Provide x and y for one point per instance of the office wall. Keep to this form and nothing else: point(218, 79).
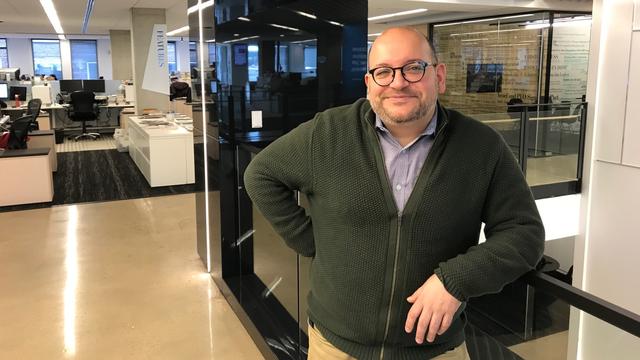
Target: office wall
point(21, 55)
point(607, 247)
point(142, 23)
point(121, 52)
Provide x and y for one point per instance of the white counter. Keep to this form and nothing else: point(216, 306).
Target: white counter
point(164, 154)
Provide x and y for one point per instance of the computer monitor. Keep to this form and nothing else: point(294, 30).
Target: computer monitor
point(97, 86)
point(69, 86)
point(21, 91)
point(4, 91)
point(214, 86)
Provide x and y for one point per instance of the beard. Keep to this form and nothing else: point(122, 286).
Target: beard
point(418, 112)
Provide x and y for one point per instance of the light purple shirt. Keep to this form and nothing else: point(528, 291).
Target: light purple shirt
point(403, 164)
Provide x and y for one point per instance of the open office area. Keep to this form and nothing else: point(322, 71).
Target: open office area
point(128, 129)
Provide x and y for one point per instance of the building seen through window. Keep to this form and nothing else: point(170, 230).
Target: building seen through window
point(46, 57)
point(310, 61)
point(193, 54)
point(172, 61)
point(4, 55)
point(84, 59)
point(254, 65)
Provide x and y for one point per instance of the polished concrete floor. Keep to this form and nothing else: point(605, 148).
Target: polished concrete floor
point(113, 280)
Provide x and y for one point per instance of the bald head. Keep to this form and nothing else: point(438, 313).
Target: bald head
point(395, 38)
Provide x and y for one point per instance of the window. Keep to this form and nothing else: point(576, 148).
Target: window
point(193, 54)
point(254, 66)
point(310, 61)
point(4, 54)
point(212, 52)
point(172, 58)
point(84, 59)
point(46, 57)
point(283, 66)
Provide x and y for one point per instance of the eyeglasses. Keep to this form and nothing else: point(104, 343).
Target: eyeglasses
point(412, 72)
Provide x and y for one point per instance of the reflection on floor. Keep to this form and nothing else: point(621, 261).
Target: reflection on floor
point(105, 142)
point(114, 280)
point(551, 169)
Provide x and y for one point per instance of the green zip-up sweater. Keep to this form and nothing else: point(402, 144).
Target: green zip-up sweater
point(367, 257)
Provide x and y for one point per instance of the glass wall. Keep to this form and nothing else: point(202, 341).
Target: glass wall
point(534, 58)
point(46, 57)
point(84, 59)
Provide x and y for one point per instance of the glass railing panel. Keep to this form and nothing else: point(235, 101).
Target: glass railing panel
point(506, 124)
point(519, 322)
point(554, 133)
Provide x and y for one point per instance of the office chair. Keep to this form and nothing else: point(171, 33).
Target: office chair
point(18, 133)
point(33, 109)
point(83, 109)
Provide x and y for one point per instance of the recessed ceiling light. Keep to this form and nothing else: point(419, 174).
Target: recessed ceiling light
point(178, 31)
point(284, 27)
point(306, 14)
point(236, 34)
point(243, 18)
point(401, 13)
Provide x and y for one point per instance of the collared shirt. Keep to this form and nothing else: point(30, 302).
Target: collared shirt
point(403, 164)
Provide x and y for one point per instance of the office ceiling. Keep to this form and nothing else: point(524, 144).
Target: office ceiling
point(28, 17)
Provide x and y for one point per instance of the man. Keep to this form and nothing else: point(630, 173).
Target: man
point(179, 89)
point(398, 187)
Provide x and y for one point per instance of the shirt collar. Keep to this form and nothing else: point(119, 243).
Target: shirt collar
point(429, 131)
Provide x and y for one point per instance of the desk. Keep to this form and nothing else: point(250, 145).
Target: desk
point(164, 154)
point(26, 177)
point(44, 139)
point(60, 121)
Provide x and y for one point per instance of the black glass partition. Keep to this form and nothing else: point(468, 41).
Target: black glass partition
point(272, 66)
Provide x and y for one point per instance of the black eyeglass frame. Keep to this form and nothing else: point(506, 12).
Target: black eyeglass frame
point(424, 64)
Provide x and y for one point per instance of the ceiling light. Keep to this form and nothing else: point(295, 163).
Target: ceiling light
point(284, 27)
point(302, 41)
point(200, 6)
point(87, 16)
point(306, 14)
point(481, 20)
point(241, 39)
point(52, 14)
point(375, 34)
point(335, 23)
point(178, 31)
point(243, 18)
point(401, 13)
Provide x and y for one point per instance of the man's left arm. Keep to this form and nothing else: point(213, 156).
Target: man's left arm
point(514, 245)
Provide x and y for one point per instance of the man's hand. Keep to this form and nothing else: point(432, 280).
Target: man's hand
point(434, 307)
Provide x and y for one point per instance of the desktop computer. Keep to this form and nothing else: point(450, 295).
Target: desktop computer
point(4, 91)
point(41, 92)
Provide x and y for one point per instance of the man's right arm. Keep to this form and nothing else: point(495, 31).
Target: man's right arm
point(271, 179)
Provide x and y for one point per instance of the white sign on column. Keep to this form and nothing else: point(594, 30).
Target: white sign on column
point(156, 72)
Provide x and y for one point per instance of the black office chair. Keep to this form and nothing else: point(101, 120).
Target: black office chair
point(18, 133)
point(83, 108)
point(33, 109)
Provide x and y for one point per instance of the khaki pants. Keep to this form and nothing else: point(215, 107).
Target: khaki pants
point(321, 349)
